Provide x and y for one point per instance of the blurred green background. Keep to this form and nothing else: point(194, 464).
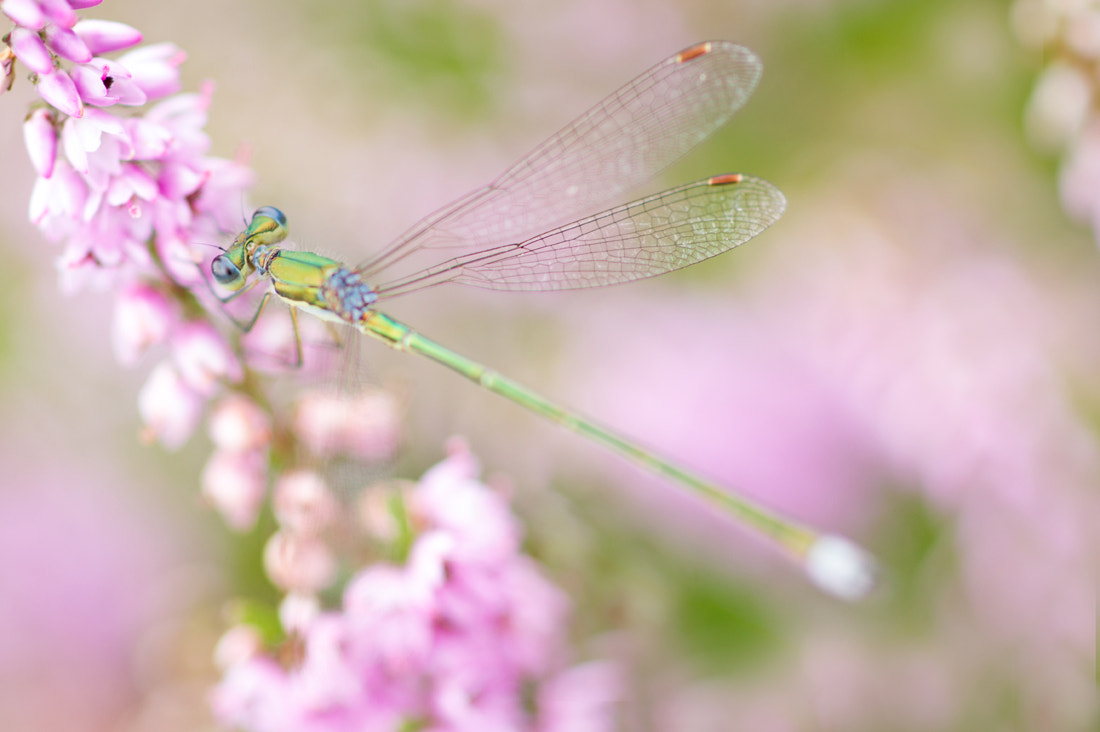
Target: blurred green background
point(908, 357)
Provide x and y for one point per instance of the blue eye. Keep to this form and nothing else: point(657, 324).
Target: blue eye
point(272, 213)
point(224, 271)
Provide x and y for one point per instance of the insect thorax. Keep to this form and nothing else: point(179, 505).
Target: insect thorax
point(347, 294)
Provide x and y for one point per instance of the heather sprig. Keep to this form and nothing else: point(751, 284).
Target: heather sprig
point(454, 636)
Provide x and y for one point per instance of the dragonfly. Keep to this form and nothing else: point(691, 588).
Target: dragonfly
point(532, 229)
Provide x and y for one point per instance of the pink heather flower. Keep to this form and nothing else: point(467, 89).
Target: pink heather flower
point(142, 318)
point(581, 699)
point(450, 640)
point(238, 424)
point(58, 12)
point(105, 36)
point(220, 197)
point(30, 49)
point(203, 357)
point(119, 84)
point(298, 563)
point(95, 145)
point(298, 611)
point(237, 645)
point(67, 44)
point(374, 510)
point(319, 421)
point(169, 407)
point(303, 503)
point(255, 695)
point(103, 84)
point(26, 13)
point(363, 426)
point(130, 183)
point(81, 4)
point(373, 425)
point(59, 90)
point(149, 139)
point(178, 180)
point(143, 175)
point(56, 202)
point(185, 116)
point(449, 498)
point(155, 69)
point(234, 484)
point(40, 137)
point(393, 618)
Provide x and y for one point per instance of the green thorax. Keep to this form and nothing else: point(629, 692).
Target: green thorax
point(299, 277)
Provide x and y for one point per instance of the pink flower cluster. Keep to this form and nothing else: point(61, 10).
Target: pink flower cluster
point(128, 194)
point(450, 640)
point(454, 638)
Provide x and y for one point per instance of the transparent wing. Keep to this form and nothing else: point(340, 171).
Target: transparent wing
point(615, 146)
point(648, 237)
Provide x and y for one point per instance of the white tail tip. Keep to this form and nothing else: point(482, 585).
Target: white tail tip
point(841, 568)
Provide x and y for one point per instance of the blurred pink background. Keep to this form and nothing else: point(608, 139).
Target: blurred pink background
point(909, 356)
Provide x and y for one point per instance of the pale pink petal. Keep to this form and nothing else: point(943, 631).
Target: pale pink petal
point(40, 137)
point(479, 518)
point(237, 423)
point(254, 695)
point(222, 195)
point(81, 4)
point(59, 12)
point(536, 612)
point(105, 36)
point(119, 83)
point(26, 13)
point(155, 68)
point(133, 181)
point(142, 318)
point(581, 699)
point(169, 408)
point(317, 422)
point(176, 254)
point(67, 44)
point(390, 620)
point(185, 115)
point(371, 425)
point(62, 195)
point(128, 92)
point(237, 645)
point(58, 90)
point(203, 357)
point(90, 86)
point(328, 681)
point(178, 180)
point(150, 139)
point(298, 563)
point(29, 48)
point(303, 504)
point(76, 148)
point(234, 484)
point(298, 611)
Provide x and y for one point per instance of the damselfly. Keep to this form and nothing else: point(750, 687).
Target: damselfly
point(523, 232)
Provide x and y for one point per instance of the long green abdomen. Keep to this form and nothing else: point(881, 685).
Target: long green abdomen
point(795, 538)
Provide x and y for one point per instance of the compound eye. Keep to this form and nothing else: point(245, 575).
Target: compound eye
point(271, 212)
point(224, 271)
point(268, 226)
